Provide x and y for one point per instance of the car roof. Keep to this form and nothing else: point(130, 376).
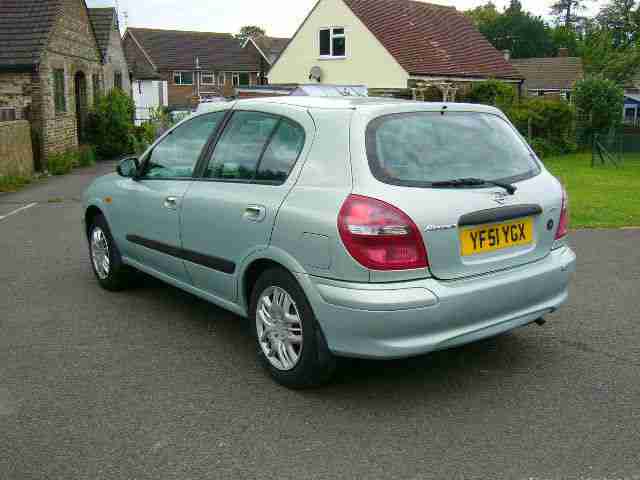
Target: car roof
point(356, 103)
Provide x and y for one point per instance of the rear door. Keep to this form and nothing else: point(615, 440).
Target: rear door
point(467, 230)
point(229, 211)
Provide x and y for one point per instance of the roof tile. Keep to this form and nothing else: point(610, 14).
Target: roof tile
point(432, 40)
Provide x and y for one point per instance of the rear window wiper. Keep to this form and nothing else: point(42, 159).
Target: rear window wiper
point(474, 182)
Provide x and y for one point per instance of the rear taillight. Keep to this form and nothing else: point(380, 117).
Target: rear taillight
point(563, 224)
point(380, 236)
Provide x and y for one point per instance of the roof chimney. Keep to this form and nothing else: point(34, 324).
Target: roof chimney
point(507, 54)
point(563, 52)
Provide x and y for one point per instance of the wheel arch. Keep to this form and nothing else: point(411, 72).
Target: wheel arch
point(89, 216)
point(260, 262)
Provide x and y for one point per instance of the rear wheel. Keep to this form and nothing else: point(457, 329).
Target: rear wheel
point(107, 264)
point(291, 345)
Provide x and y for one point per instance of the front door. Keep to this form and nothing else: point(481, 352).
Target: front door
point(229, 213)
point(154, 200)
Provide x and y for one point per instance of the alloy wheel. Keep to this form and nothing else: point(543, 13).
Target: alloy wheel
point(279, 328)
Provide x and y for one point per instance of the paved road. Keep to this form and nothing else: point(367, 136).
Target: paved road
point(154, 383)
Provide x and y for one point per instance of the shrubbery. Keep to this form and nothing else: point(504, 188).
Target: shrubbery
point(87, 156)
point(599, 102)
point(111, 124)
point(548, 124)
point(61, 163)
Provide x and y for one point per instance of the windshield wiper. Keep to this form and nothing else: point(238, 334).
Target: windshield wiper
point(474, 182)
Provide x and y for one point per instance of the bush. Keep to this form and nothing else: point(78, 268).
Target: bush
point(494, 93)
point(112, 123)
point(61, 163)
point(599, 102)
point(87, 156)
point(552, 125)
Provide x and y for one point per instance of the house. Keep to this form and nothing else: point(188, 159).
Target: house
point(115, 71)
point(388, 45)
point(631, 114)
point(270, 48)
point(51, 69)
point(179, 68)
point(554, 76)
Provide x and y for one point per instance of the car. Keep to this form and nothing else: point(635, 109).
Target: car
point(358, 227)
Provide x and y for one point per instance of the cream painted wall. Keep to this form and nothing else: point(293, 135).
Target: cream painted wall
point(367, 63)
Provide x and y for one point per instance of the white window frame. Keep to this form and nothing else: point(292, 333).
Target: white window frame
point(179, 73)
point(222, 79)
point(204, 75)
point(332, 36)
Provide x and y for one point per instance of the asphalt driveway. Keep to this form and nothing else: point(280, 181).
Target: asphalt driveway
point(154, 383)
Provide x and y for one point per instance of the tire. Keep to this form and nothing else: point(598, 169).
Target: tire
point(315, 364)
point(115, 275)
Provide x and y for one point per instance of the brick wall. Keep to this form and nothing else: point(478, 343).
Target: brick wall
point(16, 155)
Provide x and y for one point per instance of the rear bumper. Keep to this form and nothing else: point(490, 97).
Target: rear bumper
point(396, 320)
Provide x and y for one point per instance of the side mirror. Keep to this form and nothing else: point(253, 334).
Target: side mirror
point(128, 167)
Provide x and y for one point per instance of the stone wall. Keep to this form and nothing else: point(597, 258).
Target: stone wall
point(15, 91)
point(72, 47)
point(116, 62)
point(16, 155)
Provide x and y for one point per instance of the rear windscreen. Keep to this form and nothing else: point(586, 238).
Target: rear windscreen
point(416, 149)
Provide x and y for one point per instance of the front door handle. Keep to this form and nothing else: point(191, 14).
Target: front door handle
point(171, 203)
point(255, 213)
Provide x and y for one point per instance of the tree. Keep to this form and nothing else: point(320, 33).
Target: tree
point(622, 18)
point(600, 102)
point(564, 37)
point(520, 32)
point(483, 15)
point(566, 11)
point(601, 57)
point(251, 31)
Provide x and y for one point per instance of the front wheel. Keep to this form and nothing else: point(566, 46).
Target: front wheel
point(107, 264)
point(291, 345)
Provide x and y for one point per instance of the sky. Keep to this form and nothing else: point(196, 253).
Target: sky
point(280, 18)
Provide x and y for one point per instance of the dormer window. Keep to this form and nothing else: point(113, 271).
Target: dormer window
point(333, 42)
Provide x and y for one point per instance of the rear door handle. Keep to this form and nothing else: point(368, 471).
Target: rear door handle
point(255, 213)
point(171, 203)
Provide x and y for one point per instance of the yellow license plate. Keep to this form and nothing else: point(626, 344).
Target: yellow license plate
point(488, 238)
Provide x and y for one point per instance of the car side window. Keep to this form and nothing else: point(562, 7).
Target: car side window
point(282, 153)
point(177, 154)
point(241, 146)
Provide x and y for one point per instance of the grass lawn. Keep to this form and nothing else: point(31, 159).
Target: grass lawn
point(604, 196)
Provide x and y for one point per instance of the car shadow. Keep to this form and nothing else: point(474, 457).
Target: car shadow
point(487, 362)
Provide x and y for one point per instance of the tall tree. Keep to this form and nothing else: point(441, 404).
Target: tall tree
point(250, 31)
point(484, 14)
point(603, 58)
point(514, 29)
point(566, 11)
point(622, 19)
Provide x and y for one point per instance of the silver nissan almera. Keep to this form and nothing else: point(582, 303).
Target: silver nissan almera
point(356, 227)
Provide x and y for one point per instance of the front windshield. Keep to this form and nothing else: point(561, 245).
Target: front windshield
point(417, 149)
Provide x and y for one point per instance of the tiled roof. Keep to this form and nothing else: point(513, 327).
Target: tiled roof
point(103, 21)
point(553, 73)
point(432, 40)
point(272, 47)
point(176, 49)
point(24, 29)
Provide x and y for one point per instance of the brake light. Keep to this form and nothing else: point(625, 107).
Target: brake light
point(380, 236)
point(563, 224)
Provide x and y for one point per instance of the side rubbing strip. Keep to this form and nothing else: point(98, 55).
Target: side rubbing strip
point(499, 214)
point(214, 263)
